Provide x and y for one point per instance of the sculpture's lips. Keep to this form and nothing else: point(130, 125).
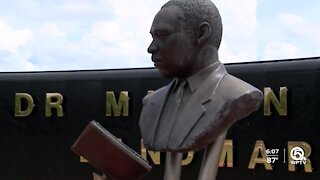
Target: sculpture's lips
point(157, 63)
point(155, 59)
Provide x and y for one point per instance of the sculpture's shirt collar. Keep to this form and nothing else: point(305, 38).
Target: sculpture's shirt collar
point(196, 80)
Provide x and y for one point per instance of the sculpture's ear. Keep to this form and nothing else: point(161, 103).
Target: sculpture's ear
point(203, 32)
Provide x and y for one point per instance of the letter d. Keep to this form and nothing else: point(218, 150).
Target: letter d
point(19, 112)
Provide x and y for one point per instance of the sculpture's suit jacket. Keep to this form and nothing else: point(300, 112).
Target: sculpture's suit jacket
point(220, 101)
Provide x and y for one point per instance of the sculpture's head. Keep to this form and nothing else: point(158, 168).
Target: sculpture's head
point(186, 35)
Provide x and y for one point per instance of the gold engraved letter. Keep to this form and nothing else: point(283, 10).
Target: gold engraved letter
point(281, 106)
point(50, 104)
point(123, 104)
point(300, 150)
point(18, 109)
point(227, 153)
point(83, 160)
point(259, 148)
point(155, 155)
point(188, 159)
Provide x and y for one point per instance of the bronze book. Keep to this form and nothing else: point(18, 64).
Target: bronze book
point(106, 153)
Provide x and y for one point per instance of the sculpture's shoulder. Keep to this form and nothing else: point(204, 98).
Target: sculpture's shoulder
point(234, 89)
point(232, 100)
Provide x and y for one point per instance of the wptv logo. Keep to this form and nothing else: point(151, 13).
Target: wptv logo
point(298, 156)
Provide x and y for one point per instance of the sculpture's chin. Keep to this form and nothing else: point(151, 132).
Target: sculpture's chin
point(165, 73)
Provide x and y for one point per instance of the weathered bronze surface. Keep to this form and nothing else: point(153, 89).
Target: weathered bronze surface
point(196, 109)
point(186, 38)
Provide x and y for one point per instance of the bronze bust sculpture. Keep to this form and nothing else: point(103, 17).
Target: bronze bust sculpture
point(195, 110)
point(203, 100)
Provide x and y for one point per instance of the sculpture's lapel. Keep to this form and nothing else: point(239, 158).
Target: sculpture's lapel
point(195, 107)
point(157, 103)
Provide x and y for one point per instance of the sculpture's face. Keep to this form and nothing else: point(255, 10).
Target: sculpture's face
point(172, 47)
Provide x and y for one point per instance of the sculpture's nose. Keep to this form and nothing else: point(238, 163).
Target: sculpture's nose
point(152, 48)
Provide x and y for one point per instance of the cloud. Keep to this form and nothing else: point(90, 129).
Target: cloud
point(102, 34)
point(119, 41)
point(52, 29)
point(128, 32)
point(14, 46)
point(239, 30)
point(111, 33)
point(298, 26)
point(79, 7)
point(297, 38)
point(12, 39)
point(281, 50)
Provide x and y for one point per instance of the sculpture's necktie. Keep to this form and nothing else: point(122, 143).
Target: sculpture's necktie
point(179, 94)
point(170, 113)
point(177, 99)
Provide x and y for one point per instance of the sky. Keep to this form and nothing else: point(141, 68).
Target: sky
point(46, 35)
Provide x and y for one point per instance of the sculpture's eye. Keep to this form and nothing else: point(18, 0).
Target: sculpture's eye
point(161, 33)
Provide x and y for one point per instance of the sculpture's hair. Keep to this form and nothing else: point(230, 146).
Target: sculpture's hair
point(198, 11)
